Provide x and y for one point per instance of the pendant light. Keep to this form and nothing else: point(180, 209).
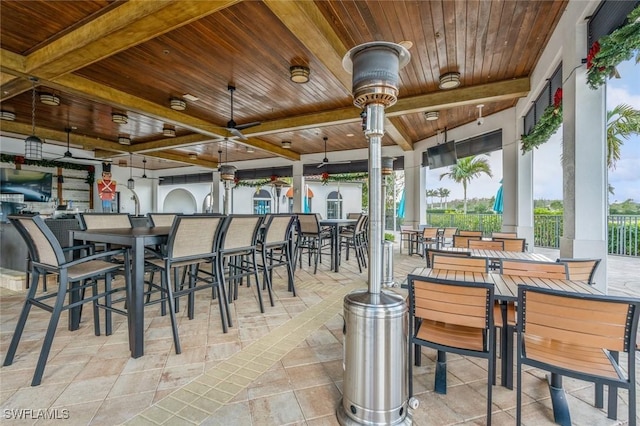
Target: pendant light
point(33, 144)
point(131, 184)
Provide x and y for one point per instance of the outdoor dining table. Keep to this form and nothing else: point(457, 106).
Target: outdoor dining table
point(336, 225)
point(506, 290)
point(500, 254)
point(136, 239)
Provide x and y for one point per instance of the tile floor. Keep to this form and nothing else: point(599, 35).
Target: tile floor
point(283, 367)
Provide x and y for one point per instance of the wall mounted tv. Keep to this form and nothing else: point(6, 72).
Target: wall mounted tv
point(442, 155)
point(35, 186)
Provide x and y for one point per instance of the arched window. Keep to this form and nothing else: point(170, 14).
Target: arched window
point(334, 205)
point(262, 202)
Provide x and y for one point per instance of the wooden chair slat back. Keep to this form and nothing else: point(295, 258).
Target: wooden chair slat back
point(462, 241)
point(431, 252)
point(464, 305)
point(581, 269)
point(430, 233)
point(460, 263)
point(509, 235)
point(589, 322)
point(485, 245)
point(448, 233)
point(464, 233)
point(528, 268)
point(512, 244)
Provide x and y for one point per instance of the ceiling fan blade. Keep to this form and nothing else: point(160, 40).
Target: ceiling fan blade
point(237, 133)
point(247, 125)
point(321, 165)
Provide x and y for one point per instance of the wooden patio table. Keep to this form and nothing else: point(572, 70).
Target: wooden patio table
point(500, 254)
point(506, 290)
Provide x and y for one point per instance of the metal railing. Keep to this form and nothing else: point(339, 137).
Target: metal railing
point(623, 230)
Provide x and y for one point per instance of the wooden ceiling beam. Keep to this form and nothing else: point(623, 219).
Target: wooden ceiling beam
point(181, 158)
point(398, 134)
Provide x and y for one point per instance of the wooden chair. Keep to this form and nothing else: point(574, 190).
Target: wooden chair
point(407, 233)
point(509, 235)
point(485, 245)
point(462, 241)
point(447, 234)
point(431, 252)
point(427, 238)
point(532, 268)
point(460, 263)
point(453, 317)
point(581, 269)
point(512, 244)
point(74, 277)
point(580, 336)
point(464, 233)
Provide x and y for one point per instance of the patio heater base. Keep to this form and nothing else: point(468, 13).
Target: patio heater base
point(345, 420)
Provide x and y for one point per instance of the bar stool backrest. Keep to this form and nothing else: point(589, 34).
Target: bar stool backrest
point(162, 219)
point(278, 229)
point(309, 223)
point(240, 232)
point(90, 221)
point(42, 244)
point(193, 236)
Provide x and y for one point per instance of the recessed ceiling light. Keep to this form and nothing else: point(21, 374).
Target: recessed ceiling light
point(49, 99)
point(449, 80)
point(169, 131)
point(124, 140)
point(286, 144)
point(119, 118)
point(251, 149)
point(193, 156)
point(177, 104)
point(432, 115)
point(350, 135)
point(190, 97)
point(7, 115)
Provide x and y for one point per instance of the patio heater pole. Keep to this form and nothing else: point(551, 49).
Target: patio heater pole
point(375, 320)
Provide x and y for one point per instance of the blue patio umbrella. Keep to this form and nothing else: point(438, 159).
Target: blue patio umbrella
point(401, 206)
point(497, 205)
point(305, 201)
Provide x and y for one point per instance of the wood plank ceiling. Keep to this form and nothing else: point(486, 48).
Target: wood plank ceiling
point(104, 57)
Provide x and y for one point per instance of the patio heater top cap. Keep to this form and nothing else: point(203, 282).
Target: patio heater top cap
point(375, 67)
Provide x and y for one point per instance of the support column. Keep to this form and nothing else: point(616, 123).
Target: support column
point(216, 194)
point(584, 159)
point(414, 186)
point(298, 188)
point(517, 183)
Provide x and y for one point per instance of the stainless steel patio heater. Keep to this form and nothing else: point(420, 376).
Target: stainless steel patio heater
point(375, 320)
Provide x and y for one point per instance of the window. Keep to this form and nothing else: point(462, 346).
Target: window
point(262, 202)
point(334, 205)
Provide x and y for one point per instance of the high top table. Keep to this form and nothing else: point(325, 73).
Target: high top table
point(336, 225)
point(136, 239)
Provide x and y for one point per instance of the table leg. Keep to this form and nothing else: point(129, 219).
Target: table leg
point(335, 250)
point(506, 350)
point(136, 301)
point(74, 296)
point(561, 413)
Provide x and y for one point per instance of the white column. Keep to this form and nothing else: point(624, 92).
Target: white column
point(414, 186)
point(298, 187)
point(584, 158)
point(517, 182)
point(216, 194)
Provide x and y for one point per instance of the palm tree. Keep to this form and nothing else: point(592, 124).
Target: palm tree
point(443, 193)
point(431, 193)
point(622, 121)
point(465, 170)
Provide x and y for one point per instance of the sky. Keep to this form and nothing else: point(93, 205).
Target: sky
point(547, 167)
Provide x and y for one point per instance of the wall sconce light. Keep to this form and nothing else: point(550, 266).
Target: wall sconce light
point(432, 115)
point(286, 144)
point(124, 140)
point(49, 99)
point(119, 118)
point(299, 74)
point(169, 131)
point(7, 116)
point(449, 80)
point(177, 104)
point(250, 150)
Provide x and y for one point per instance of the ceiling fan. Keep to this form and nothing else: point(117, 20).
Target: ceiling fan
point(68, 155)
point(144, 171)
point(325, 160)
point(232, 126)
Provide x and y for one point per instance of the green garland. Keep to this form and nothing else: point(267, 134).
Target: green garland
point(17, 159)
point(611, 49)
point(253, 183)
point(548, 124)
point(343, 177)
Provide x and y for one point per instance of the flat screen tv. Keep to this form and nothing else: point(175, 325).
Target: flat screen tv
point(442, 155)
point(35, 186)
